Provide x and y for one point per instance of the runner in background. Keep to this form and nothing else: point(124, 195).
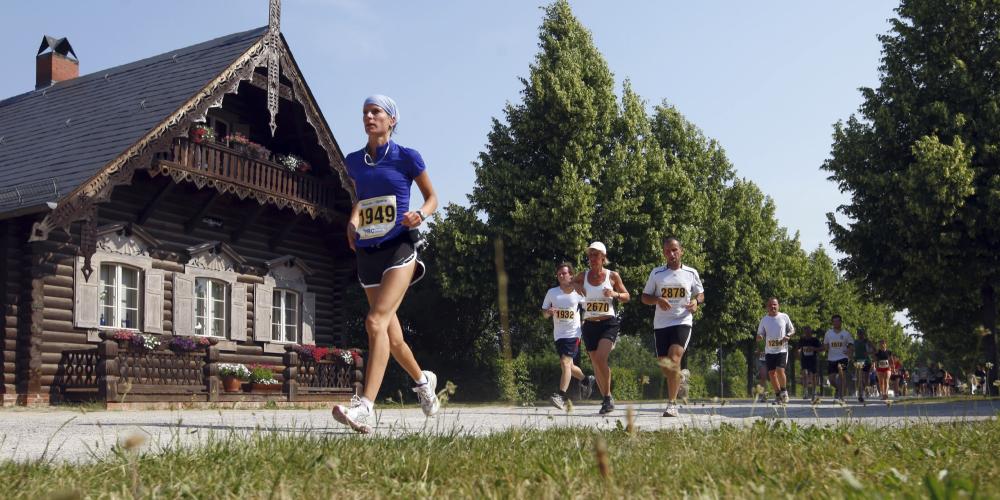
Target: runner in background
point(600, 287)
point(776, 329)
point(676, 292)
point(562, 304)
point(837, 343)
point(862, 354)
point(809, 347)
point(883, 368)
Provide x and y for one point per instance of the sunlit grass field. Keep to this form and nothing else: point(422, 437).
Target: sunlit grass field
point(762, 460)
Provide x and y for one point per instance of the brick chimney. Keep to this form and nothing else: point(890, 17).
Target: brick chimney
point(56, 65)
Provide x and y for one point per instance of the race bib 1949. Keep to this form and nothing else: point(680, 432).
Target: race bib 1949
point(378, 216)
point(565, 315)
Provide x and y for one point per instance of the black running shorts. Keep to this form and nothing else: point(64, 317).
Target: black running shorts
point(594, 331)
point(776, 360)
point(831, 366)
point(374, 261)
point(663, 338)
point(809, 363)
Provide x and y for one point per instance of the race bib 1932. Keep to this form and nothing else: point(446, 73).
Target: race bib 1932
point(378, 216)
point(565, 315)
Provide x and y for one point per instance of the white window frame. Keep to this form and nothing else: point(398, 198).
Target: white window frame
point(210, 316)
point(119, 308)
point(282, 322)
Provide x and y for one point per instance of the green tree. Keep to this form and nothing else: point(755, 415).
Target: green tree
point(920, 163)
point(536, 181)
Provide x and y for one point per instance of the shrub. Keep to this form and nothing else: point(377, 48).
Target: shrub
point(514, 380)
point(625, 384)
point(262, 374)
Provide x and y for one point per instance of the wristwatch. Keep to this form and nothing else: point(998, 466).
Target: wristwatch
point(421, 214)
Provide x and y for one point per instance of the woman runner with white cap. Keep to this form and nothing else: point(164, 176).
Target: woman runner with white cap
point(600, 287)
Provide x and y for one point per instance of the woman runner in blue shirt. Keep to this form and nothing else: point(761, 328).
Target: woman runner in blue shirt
point(379, 232)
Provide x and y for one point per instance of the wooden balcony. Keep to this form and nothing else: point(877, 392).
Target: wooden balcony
point(230, 170)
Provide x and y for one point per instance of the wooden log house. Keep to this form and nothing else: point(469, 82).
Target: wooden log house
point(120, 212)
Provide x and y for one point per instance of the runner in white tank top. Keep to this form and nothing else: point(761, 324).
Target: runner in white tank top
point(600, 287)
point(595, 304)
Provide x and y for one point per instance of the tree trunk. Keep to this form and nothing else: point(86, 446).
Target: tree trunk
point(988, 294)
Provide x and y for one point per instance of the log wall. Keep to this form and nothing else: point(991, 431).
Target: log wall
point(11, 275)
point(319, 244)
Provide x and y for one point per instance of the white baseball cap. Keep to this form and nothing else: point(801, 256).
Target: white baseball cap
point(597, 245)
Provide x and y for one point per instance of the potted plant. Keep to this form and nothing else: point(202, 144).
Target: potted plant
point(201, 132)
point(262, 379)
point(233, 375)
point(241, 143)
point(293, 163)
point(187, 344)
point(135, 340)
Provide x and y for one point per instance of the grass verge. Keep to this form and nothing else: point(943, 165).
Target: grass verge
point(764, 459)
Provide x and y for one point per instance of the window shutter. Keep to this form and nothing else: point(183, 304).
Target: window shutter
point(86, 296)
point(238, 312)
point(183, 305)
point(152, 302)
point(262, 300)
point(309, 318)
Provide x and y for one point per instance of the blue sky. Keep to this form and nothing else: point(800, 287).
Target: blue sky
point(766, 79)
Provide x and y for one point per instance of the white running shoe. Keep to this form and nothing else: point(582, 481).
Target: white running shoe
point(558, 401)
point(355, 415)
point(671, 410)
point(427, 395)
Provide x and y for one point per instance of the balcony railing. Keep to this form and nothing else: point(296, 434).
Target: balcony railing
point(253, 175)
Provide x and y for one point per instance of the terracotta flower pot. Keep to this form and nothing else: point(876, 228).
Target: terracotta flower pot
point(231, 384)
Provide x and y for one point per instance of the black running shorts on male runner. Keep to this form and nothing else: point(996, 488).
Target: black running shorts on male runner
point(374, 261)
point(663, 338)
point(594, 331)
point(831, 366)
point(809, 363)
point(776, 360)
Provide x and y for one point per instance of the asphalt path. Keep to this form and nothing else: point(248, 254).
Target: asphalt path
point(66, 435)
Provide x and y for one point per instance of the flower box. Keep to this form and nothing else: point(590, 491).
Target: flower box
point(265, 388)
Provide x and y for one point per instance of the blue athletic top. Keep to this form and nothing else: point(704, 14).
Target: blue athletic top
point(383, 190)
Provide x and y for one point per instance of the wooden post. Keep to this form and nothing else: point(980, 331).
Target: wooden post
point(291, 360)
point(107, 371)
point(212, 381)
point(359, 376)
point(790, 376)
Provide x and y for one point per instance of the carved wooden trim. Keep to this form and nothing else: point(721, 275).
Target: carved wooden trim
point(140, 155)
point(270, 51)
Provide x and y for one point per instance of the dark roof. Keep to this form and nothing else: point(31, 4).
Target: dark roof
point(54, 139)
